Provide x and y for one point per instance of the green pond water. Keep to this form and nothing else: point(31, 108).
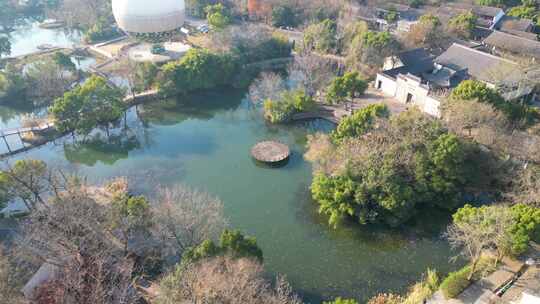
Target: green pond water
point(204, 142)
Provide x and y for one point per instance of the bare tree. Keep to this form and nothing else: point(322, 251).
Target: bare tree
point(526, 188)
point(224, 280)
point(502, 221)
point(312, 72)
point(266, 86)
point(10, 279)
point(478, 120)
point(48, 80)
point(184, 218)
point(320, 153)
point(471, 235)
point(73, 234)
point(81, 13)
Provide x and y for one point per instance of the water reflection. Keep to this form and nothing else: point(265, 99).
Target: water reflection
point(100, 148)
point(202, 106)
point(28, 36)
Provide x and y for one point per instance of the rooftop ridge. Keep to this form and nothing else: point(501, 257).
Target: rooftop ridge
point(484, 53)
point(516, 36)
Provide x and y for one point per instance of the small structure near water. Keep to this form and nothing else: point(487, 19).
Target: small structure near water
point(270, 152)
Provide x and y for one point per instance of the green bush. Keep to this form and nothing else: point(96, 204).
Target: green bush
point(455, 283)
point(321, 37)
point(290, 102)
point(283, 16)
point(346, 87)
point(101, 31)
point(198, 69)
point(360, 122)
point(476, 90)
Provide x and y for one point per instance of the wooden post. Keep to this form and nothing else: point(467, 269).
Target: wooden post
point(20, 137)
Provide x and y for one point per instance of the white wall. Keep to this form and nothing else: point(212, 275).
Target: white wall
point(420, 95)
point(388, 84)
point(432, 106)
point(403, 86)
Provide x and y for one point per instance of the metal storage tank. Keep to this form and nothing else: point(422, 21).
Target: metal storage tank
point(144, 16)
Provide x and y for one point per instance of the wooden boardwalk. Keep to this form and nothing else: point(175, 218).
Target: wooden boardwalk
point(5, 133)
point(330, 113)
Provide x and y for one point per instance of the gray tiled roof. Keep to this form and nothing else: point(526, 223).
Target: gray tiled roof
point(414, 56)
point(415, 62)
point(514, 24)
point(477, 9)
point(459, 57)
point(514, 44)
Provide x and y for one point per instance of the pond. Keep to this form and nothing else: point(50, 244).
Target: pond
point(28, 36)
point(25, 40)
point(204, 142)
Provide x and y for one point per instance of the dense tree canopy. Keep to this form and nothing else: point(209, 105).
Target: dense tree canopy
point(204, 69)
point(384, 175)
point(527, 10)
point(196, 8)
point(507, 230)
point(196, 70)
point(427, 33)
point(346, 88)
point(526, 227)
point(463, 24)
point(231, 243)
point(218, 16)
point(321, 37)
point(87, 106)
point(371, 48)
point(288, 103)
point(283, 16)
point(360, 122)
point(479, 91)
point(5, 46)
point(12, 83)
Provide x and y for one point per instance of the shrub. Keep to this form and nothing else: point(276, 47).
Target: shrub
point(526, 227)
point(360, 122)
point(346, 87)
point(342, 301)
point(321, 37)
point(283, 16)
point(290, 102)
point(101, 31)
point(423, 289)
point(198, 69)
point(455, 283)
point(386, 298)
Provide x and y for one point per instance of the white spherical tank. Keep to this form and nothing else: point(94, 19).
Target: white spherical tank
point(144, 16)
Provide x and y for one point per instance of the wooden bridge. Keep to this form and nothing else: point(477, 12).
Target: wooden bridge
point(329, 113)
point(5, 133)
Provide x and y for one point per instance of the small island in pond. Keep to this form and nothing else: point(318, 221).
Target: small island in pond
point(270, 152)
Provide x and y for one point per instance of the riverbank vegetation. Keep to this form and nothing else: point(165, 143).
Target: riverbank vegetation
point(421, 164)
point(38, 81)
point(241, 51)
point(98, 231)
point(91, 104)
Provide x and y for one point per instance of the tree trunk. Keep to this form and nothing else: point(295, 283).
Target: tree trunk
point(473, 269)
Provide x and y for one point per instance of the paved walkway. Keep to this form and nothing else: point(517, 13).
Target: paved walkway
point(481, 292)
